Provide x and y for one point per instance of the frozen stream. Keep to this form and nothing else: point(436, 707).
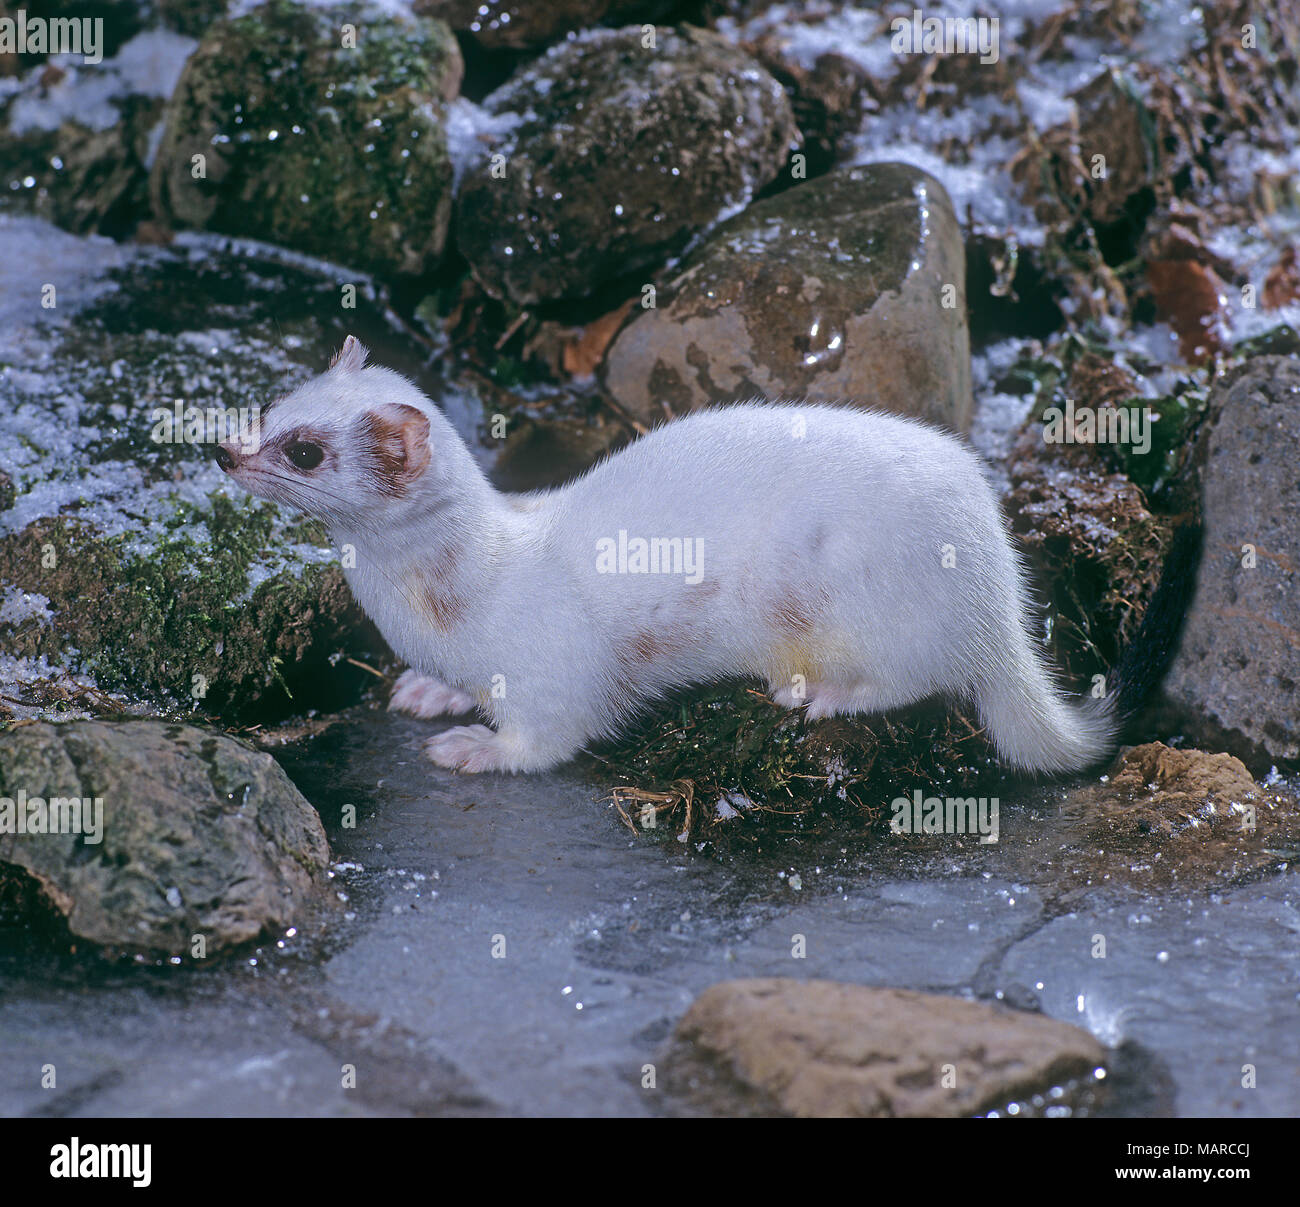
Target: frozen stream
point(607, 940)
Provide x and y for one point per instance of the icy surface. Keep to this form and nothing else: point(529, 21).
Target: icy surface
point(607, 939)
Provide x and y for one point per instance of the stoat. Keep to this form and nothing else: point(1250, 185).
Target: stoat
point(854, 561)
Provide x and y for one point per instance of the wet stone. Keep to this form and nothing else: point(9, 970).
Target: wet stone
point(816, 1049)
point(197, 835)
point(832, 290)
point(622, 152)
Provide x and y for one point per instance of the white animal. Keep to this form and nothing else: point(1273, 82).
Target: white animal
point(852, 560)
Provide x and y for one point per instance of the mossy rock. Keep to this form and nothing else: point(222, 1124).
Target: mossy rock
point(132, 576)
point(75, 140)
point(621, 153)
point(181, 843)
point(321, 130)
point(1096, 541)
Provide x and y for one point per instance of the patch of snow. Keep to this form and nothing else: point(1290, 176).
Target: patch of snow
point(472, 132)
point(148, 65)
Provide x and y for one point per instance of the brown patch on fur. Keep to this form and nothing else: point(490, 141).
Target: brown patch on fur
point(435, 588)
point(632, 657)
point(646, 647)
point(395, 440)
point(795, 615)
point(700, 593)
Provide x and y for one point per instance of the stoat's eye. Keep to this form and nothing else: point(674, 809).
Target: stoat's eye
point(304, 454)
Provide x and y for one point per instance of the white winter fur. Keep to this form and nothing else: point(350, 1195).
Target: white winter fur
point(823, 531)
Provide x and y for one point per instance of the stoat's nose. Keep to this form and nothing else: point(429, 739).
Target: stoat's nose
point(225, 458)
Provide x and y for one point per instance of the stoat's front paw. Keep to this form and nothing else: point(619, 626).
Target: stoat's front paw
point(468, 748)
point(422, 696)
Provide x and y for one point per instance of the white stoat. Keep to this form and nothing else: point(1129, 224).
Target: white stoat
point(854, 561)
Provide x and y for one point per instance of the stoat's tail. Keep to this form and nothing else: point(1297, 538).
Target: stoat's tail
point(1033, 724)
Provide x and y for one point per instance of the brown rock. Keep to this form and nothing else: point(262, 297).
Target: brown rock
point(824, 1049)
point(1164, 819)
point(830, 291)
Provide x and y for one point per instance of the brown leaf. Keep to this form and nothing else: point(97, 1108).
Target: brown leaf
point(1282, 285)
point(1189, 295)
point(583, 354)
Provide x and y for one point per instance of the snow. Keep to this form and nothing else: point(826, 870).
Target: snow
point(472, 132)
point(148, 65)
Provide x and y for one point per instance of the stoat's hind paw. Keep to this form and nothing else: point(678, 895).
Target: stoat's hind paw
point(422, 696)
point(468, 748)
point(785, 696)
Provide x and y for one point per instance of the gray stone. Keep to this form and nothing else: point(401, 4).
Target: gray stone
point(1236, 677)
point(831, 291)
point(200, 835)
point(621, 154)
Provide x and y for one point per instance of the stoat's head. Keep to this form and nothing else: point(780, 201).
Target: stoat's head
point(354, 444)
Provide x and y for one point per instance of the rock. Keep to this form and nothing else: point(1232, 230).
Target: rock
point(621, 154)
point(199, 835)
point(832, 290)
point(129, 566)
point(191, 17)
point(1236, 677)
point(76, 139)
point(119, 21)
point(816, 1049)
point(333, 150)
point(1164, 820)
point(517, 24)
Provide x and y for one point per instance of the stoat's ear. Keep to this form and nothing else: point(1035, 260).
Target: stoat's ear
point(395, 445)
point(350, 357)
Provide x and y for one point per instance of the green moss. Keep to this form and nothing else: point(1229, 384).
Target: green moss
point(331, 149)
point(178, 623)
point(803, 778)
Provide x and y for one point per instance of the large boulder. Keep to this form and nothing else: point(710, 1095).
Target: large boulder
point(1236, 678)
point(129, 565)
point(621, 153)
point(820, 1048)
point(178, 834)
point(850, 287)
point(320, 129)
